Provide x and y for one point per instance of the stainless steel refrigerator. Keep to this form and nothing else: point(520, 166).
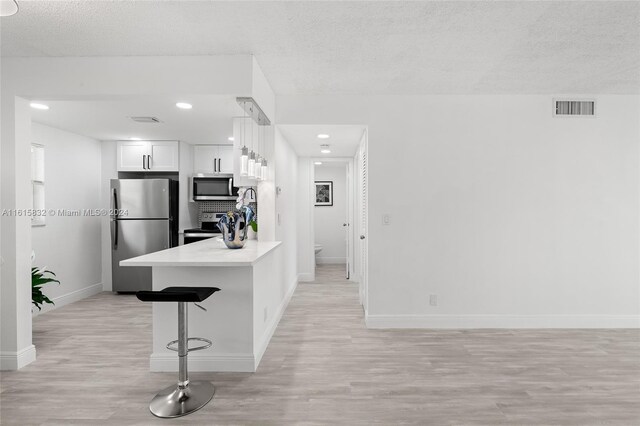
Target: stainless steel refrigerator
point(146, 221)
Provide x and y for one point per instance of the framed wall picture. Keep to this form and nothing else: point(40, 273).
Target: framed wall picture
point(324, 193)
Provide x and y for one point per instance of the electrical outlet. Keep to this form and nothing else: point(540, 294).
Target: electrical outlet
point(386, 219)
point(433, 299)
point(266, 313)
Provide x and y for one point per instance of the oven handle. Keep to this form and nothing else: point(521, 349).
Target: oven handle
point(201, 234)
point(231, 187)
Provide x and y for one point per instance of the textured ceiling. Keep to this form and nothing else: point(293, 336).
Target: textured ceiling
point(344, 47)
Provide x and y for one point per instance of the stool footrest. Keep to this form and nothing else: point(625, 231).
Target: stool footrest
point(173, 345)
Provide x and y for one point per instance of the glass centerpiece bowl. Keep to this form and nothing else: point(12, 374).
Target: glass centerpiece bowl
point(235, 226)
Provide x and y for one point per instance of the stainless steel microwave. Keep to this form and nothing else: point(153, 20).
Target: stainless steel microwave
point(212, 187)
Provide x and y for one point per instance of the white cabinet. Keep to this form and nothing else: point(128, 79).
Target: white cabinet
point(165, 156)
point(148, 156)
point(213, 158)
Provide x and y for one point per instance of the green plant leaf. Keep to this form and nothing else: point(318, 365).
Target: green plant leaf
point(38, 279)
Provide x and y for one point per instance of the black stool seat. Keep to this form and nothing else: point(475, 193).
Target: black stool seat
point(177, 294)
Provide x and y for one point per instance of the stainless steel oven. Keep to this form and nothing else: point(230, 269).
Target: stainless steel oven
point(213, 188)
point(208, 229)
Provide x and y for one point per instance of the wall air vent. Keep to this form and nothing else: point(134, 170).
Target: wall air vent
point(573, 108)
point(146, 119)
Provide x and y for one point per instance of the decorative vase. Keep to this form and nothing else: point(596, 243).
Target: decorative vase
point(234, 227)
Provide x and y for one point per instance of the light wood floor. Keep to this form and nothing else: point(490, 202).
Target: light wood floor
point(324, 367)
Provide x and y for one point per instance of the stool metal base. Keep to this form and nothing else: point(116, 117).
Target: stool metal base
point(175, 401)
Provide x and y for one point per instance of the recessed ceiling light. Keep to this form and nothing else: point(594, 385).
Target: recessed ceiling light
point(36, 105)
point(325, 149)
point(135, 139)
point(184, 105)
point(318, 163)
point(231, 138)
point(323, 136)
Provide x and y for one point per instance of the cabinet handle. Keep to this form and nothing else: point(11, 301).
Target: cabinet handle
point(143, 162)
point(215, 165)
point(148, 162)
point(219, 164)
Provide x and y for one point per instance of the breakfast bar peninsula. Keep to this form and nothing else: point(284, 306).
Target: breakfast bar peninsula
point(242, 317)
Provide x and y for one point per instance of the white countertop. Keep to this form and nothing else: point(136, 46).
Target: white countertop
point(210, 252)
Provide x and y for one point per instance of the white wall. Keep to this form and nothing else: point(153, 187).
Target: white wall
point(286, 179)
point(16, 348)
point(263, 94)
point(69, 245)
point(305, 237)
point(512, 217)
point(328, 220)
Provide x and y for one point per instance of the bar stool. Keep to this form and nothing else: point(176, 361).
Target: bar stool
point(186, 397)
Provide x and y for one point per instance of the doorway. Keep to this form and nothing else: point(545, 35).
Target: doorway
point(332, 216)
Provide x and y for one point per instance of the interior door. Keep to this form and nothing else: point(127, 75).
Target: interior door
point(347, 221)
point(362, 220)
point(132, 238)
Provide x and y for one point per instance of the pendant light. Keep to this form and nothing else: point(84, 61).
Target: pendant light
point(8, 7)
point(258, 164)
point(252, 158)
point(244, 157)
point(264, 172)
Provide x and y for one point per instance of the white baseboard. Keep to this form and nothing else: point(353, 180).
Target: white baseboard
point(11, 361)
point(501, 321)
point(271, 328)
point(244, 363)
point(68, 298)
point(306, 277)
point(331, 260)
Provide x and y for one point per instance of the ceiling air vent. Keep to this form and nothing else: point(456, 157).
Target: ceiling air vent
point(146, 119)
point(567, 107)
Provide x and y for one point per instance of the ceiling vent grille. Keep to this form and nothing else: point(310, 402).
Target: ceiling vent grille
point(146, 119)
point(568, 107)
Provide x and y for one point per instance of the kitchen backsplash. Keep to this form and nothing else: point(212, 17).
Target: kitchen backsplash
point(219, 207)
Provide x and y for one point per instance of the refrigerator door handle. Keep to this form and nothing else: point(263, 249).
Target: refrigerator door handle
point(114, 233)
point(115, 208)
point(114, 218)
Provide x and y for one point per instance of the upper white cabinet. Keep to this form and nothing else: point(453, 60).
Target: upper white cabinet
point(213, 159)
point(148, 156)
